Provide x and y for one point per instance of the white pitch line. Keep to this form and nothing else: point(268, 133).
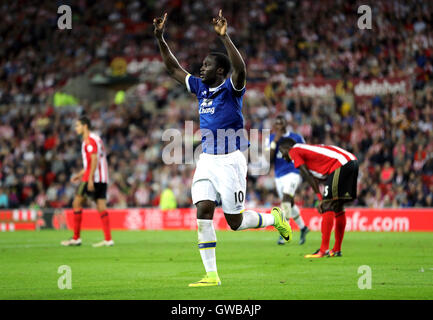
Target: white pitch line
point(30, 246)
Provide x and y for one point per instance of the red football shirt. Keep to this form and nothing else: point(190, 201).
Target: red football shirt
point(320, 160)
point(94, 145)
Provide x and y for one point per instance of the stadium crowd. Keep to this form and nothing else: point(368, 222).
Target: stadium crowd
point(281, 41)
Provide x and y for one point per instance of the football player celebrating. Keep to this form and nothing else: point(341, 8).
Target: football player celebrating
point(338, 169)
point(221, 171)
point(94, 180)
point(287, 178)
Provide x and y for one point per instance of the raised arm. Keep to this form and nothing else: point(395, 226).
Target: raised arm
point(239, 73)
point(173, 67)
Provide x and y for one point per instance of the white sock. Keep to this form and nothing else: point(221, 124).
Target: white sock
point(286, 207)
point(297, 217)
point(207, 243)
point(252, 219)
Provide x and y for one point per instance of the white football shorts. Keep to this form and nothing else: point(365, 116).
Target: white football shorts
point(288, 184)
point(221, 178)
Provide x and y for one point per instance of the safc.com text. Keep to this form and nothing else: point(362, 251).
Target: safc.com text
point(356, 222)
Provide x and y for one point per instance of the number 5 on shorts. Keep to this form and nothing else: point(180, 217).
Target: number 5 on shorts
point(326, 191)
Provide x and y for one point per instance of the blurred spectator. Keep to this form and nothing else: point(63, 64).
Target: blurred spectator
point(167, 200)
point(387, 173)
point(4, 200)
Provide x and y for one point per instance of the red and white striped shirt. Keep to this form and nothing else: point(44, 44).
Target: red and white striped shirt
point(94, 145)
point(320, 160)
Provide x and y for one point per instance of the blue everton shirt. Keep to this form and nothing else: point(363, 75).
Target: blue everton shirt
point(221, 120)
point(282, 167)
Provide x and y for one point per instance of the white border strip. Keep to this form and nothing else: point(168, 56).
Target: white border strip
point(187, 82)
point(233, 86)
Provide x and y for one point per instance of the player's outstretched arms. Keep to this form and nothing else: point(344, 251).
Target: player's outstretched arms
point(239, 73)
point(173, 67)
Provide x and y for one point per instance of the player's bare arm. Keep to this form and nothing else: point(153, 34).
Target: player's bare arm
point(239, 73)
point(93, 164)
point(174, 69)
point(76, 177)
point(311, 181)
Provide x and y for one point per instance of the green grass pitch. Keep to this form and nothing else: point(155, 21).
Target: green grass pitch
point(160, 264)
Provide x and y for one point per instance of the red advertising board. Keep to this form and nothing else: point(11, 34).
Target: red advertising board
point(358, 219)
point(19, 219)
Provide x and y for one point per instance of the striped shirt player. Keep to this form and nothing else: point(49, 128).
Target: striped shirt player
point(93, 180)
point(330, 163)
point(221, 171)
point(94, 145)
point(338, 170)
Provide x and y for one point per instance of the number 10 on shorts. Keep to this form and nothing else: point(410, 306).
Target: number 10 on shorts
point(239, 197)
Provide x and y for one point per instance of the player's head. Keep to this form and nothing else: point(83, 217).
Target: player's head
point(284, 145)
point(215, 66)
point(82, 124)
point(280, 122)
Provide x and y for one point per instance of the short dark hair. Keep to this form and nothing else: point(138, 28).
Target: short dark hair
point(286, 142)
point(282, 117)
point(85, 120)
point(222, 61)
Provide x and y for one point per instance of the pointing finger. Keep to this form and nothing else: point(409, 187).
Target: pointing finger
point(221, 13)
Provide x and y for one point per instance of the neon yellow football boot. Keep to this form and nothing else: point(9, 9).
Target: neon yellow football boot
point(281, 224)
point(209, 280)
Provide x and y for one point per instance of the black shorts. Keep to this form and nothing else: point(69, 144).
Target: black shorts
point(99, 193)
point(341, 184)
